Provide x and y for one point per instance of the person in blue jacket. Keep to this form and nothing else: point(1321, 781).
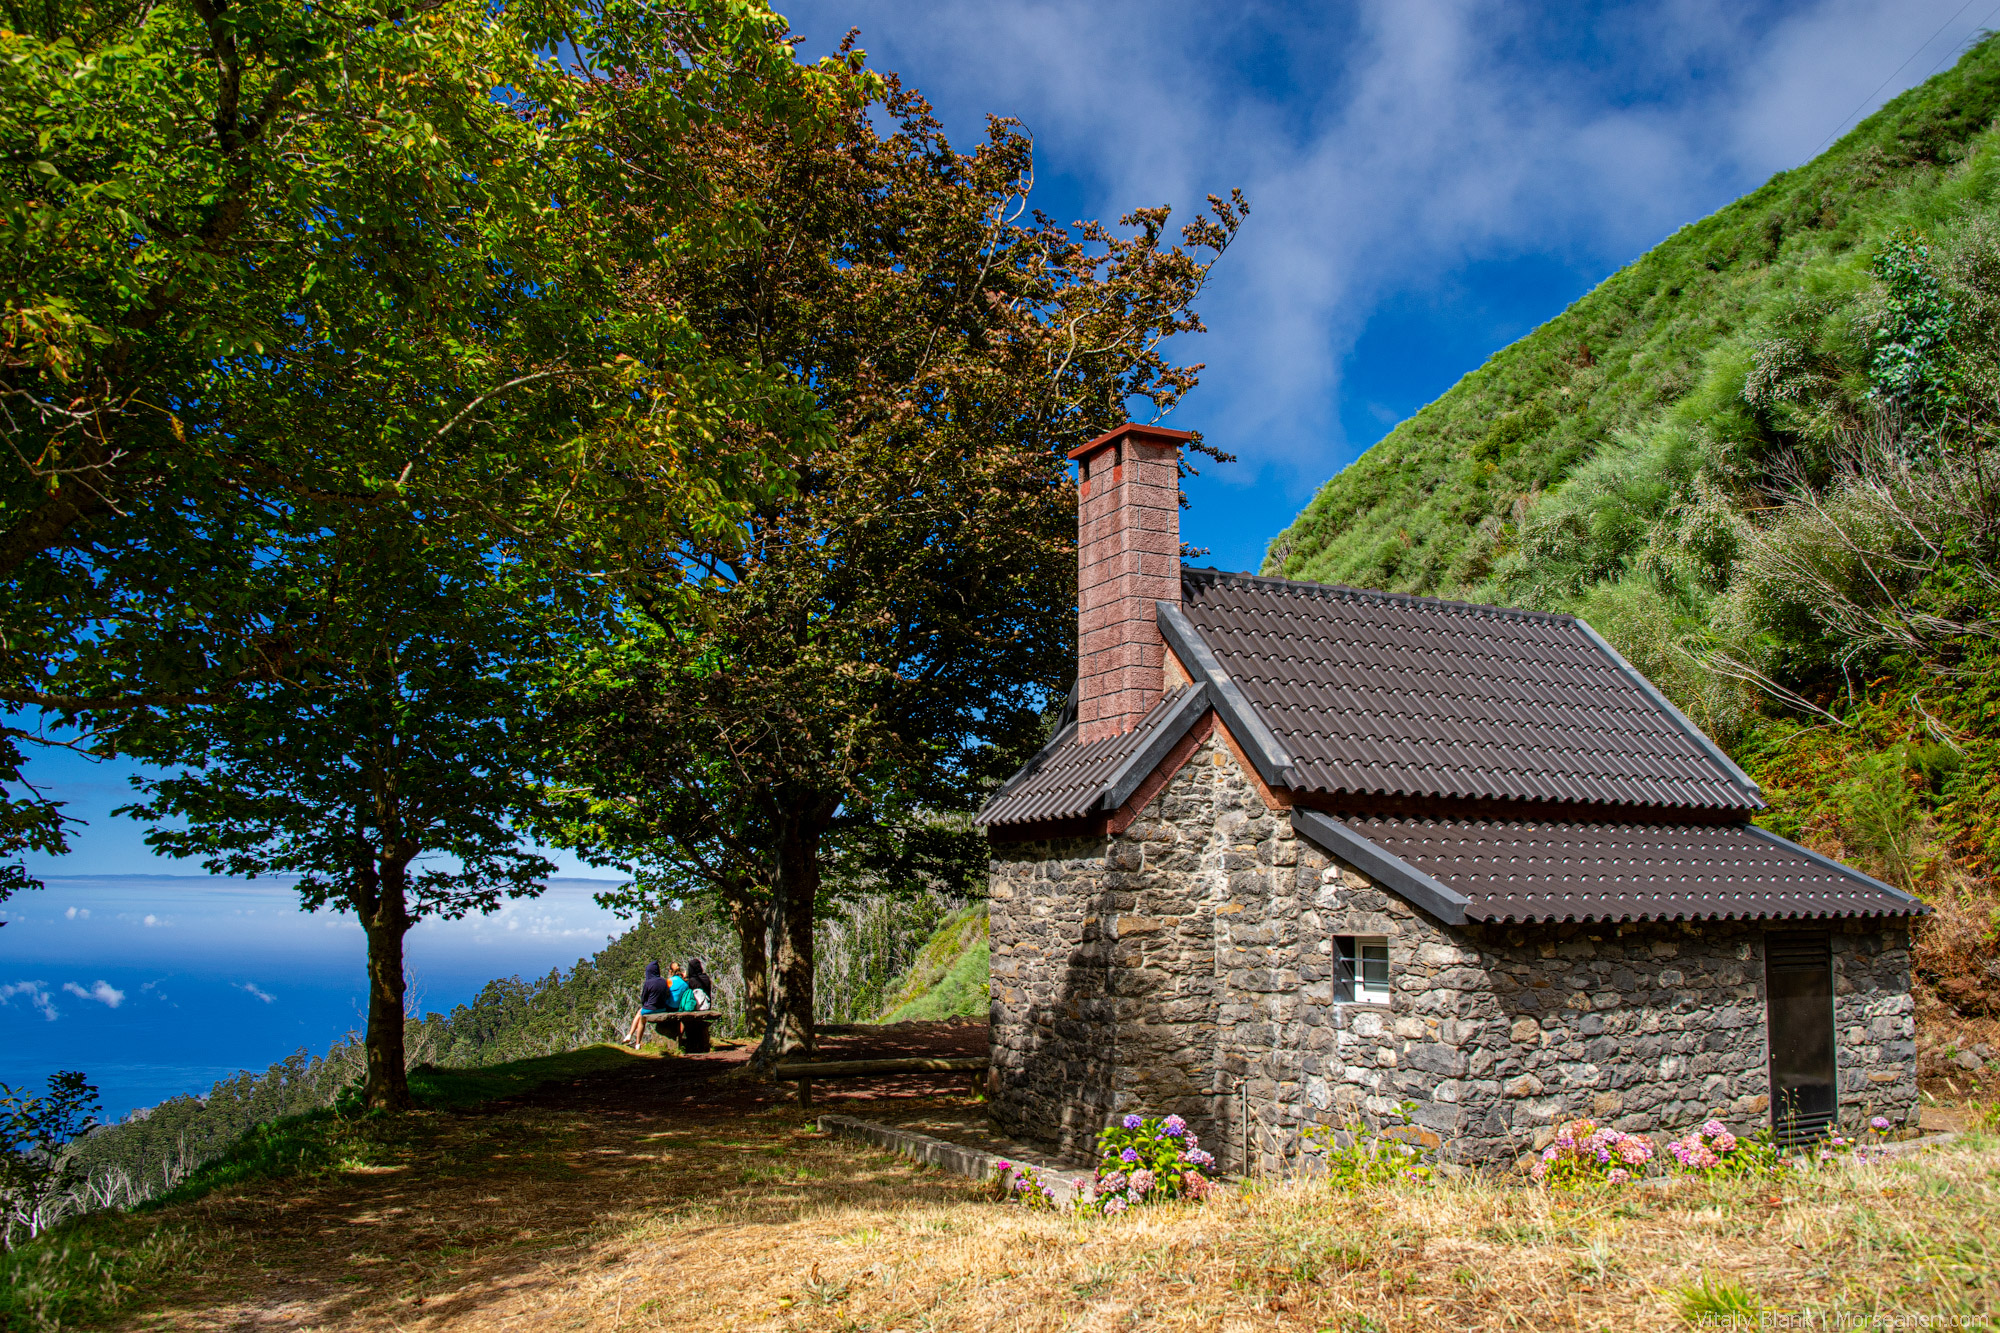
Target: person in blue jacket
point(656, 996)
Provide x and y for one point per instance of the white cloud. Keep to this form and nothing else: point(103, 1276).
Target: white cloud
point(35, 993)
point(257, 991)
point(103, 992)
point(76, 913)
point(1387, 145)
point(151, 920)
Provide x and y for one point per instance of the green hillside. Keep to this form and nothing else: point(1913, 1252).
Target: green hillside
point(1761, 460)
point(948, 977)
point(1438, 504)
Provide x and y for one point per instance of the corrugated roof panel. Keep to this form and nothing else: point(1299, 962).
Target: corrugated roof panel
point(1443, 698)
point(1065, 780)
point(1520, 870)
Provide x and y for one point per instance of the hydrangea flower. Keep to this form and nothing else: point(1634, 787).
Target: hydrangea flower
point(1200, 1158)
point(1175, 1127)
point(1112, 1183)
point(1129, 1155)
point(1133, 1122)
point(1586, 1150)
point(1142, 1183)
point(1879, 1122)
point(1114, 1205)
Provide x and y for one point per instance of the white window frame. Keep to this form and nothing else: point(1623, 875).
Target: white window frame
point(1353, 954)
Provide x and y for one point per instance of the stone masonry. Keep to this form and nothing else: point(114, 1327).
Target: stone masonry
point(1186, 965)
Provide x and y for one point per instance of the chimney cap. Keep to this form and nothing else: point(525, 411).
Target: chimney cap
point(1148, 434)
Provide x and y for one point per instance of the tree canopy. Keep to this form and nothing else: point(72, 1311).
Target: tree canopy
point(887, 637)
point(268, 265)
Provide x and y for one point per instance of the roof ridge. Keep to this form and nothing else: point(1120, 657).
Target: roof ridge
point(1342, 592)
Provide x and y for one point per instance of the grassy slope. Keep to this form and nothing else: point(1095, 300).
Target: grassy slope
point(1430, 507)
point(948, 977)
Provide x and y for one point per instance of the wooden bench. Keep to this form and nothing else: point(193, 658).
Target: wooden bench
point(705, 1015)
point(803, 1073)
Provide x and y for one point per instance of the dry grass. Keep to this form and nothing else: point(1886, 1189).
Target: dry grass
point(559, 1221)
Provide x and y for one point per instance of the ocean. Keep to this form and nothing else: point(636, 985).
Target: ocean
point(158, 985)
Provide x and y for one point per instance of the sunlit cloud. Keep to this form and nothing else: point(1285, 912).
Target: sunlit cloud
point(1388, 147)
point(35, 993)
point(103, 992)
point(256, 990)
point(77, 913)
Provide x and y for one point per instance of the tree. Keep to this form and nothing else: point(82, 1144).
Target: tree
point(39, 1139)
point(888, 636)
point(407, 740)
point(262, 259)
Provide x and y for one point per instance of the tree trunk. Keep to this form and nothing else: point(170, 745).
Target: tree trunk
point(748, 916)
point(794, 895)
point(386, 923)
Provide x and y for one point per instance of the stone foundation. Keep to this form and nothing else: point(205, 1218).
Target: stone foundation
point(1186, 965)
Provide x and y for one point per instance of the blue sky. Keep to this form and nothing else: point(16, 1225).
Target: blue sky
point(1428, 181)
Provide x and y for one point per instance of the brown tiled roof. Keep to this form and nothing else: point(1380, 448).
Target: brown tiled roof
point(1070, 781)
point(1380, 694)
point(1508, 870)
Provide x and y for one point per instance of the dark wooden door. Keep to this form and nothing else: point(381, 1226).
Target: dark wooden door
point(1798, 985)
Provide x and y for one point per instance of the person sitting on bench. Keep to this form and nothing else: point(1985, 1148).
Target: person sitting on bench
point(656, 996)
point(701, 989)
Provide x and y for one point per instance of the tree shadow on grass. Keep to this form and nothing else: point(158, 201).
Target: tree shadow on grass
point(468, 1215)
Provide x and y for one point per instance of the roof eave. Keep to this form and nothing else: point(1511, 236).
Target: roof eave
point(1387, 869)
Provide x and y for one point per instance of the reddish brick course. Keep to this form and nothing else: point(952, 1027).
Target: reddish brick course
point(1128, 558)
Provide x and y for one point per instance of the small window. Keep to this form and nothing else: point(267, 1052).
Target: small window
point(1363, 977)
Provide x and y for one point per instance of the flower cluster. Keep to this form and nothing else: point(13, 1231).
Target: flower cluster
point(1705, 1149)
point(1144, 1159)
point(1029, 1188)
point(1865, 1149)
point(1585, 1153)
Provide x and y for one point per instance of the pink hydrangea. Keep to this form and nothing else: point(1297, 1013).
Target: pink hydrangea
point(1585, 1150)
point(1142, 1183)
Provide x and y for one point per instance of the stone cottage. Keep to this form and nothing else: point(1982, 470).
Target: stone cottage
point(1301, 853)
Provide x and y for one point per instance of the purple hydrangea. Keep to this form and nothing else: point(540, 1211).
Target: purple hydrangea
point(1133, 1122)
point(1200, 1158)
point(1175, 1126)
point(1129, 1155)
point(1879, 1122)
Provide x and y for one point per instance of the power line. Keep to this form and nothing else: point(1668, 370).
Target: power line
point(1948, 55)
point(1892, 77)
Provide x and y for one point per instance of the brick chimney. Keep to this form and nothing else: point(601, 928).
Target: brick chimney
point(1128, 554)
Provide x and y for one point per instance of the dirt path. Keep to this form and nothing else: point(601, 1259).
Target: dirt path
point(689, 1084)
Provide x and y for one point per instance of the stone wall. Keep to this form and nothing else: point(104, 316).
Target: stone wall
point(1187, 965)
